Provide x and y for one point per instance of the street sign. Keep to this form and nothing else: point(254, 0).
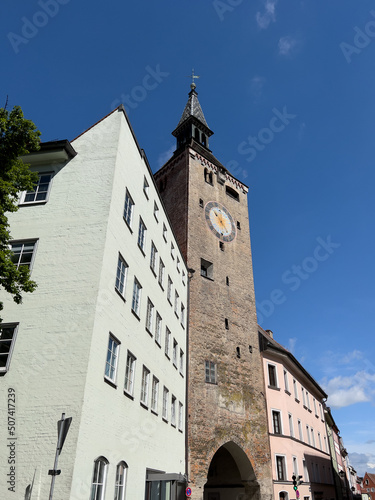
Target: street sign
point(188, 492)
point(297, 494)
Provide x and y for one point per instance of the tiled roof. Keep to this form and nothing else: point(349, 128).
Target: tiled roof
point(193, 108)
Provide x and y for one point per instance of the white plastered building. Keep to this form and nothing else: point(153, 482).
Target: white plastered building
point(103, 337)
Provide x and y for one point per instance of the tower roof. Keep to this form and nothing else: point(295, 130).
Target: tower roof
point(193, 111)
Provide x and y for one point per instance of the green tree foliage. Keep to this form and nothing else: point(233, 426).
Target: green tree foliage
point(18, 137)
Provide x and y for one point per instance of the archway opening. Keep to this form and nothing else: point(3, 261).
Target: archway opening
point(231, 475)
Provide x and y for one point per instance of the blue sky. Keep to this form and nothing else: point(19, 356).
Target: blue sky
point(68, 63)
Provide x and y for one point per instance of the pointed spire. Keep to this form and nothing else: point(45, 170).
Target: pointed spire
point(192, 123)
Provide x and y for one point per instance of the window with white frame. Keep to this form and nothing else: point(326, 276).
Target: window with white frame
point(183, 278)
point(182, 361)
point(161, 273)
point(321, 412)
point(169, 290)
point(8, 332)
point(295, 466)
point(120, 484)
point(129, 373)
point(312, 437)
point(178, 265)
point(122, 268)
point(144, 385)
point(153, 257)
point(23, 253)
point(291, 428)
point(308, 400)
point(295, 389)
point(315, 408)
point(303, 396)
point(173, 411)
point(276, 422)
point(158, 323)
point(175, 349)
point(210, 372)
point(308, 434)
point(300, 430)
point(99, 479)
point(320, 441)
point(305, 472)
point(325, 444)
point(40, 192)
point(136, 300)
point(128, 209)
point(156, 212)
point(182, 318)
point(176, 297)
point(286, 381)
point(145, 187)
point(167, 341)
point(141, 235)
point(272, 378)
point(149, 315)
point(154, 394)
point(172, 250)
point(180, 416)
point(112, 356)
point(280, 467)
point(165, 403)
point(164, 232)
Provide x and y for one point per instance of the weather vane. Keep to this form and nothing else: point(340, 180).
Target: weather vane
point(192, 76)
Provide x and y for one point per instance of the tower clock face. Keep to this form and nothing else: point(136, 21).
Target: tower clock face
point(220, 221)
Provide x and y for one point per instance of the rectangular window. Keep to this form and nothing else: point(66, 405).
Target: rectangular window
point(280, 467)
point(112, 355)
point(325, 444)
point(175, 349)
point(320, 441)
point(136, 301)
point(182, 319)
point(183, 277)
point(295, 466)
point(128, 209)
point(295, 389)
point(23, 253)
point(305, 472)
point(276, 420)
point(8, 334)
point(300, 430)
point(149, 315)
point(180, 416)
point(161, 273)
point(145, 384)
point(153, 257)
point(291, 428)
point(167, 341)
point(321, 412)
point(40, 192)
point(173, 411)
point(156, 212)
point(210, 372)
point(121, 275)
point(312, 437)
point(145, 187)
point(315, 408)
point(165, 403)
point(272, 379)
point(172, 250)
point(154, 394)
point(286, 381)
point(182, 361)
point(176, 297)
point(303, 396)
point(178, 265)
point(207, 269)
point(169, 290)
point(164, 232)
point(129, 373)
point(307, 400)
point(142, 235)
point(308, 434)
point(158, 328)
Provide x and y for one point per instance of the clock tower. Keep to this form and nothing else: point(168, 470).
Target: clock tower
point(228, 450)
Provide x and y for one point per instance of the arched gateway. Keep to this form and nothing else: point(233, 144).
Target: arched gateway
point(231, 475)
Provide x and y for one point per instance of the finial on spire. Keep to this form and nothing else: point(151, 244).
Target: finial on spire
point(192, 76)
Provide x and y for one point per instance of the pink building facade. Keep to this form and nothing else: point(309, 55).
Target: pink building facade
point(296, 423)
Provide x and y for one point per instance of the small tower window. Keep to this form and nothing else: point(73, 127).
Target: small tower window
point(238, 224)
point(221, 245)
point(208, 176)
point(196, 135)
point(207, 269)
point(204, 140)
point(238, 350)
point(227, 280)
point(226, 324)
point(200, 202)
point(232, 193)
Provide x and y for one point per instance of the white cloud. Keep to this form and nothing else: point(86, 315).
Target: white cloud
point(346, 391)
point(287, 44)
point(362, 462)
point(264, 19)
point(164, 157)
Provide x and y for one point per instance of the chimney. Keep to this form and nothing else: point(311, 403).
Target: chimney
point(270, 333)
